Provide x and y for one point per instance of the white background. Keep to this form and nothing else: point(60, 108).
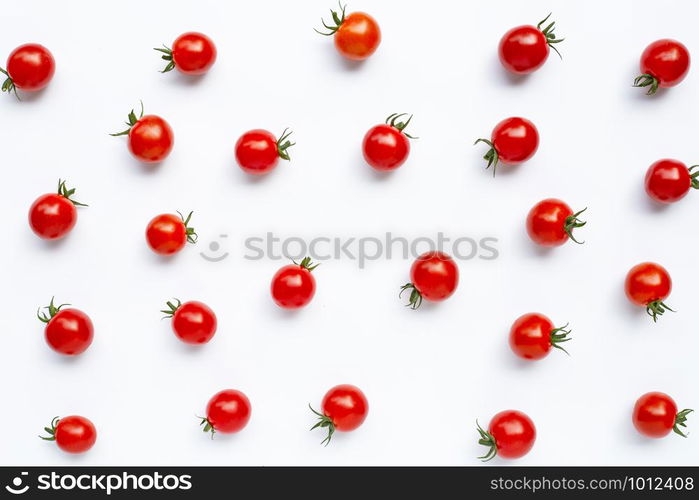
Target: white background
point(428, 374)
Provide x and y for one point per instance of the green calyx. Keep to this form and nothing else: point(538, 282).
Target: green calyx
point(657, 308)
point(573, 222)
point(51, 431)
point(560, 335)
point(487, 439)
point(132, 120)
point(191, 234)
point(647, 80)
point(338, 19)
point(8, 85)
point(551, 39)
point(67, 193)
point(415, 299)
point(171, 308)
point(167, 56)
point(283, 144)
point(694, 176)
point(324, 422)
point(306, 264)
point(207, 426)
point(491, 156)
point(51, 309)
point(392, 120)
point(680, 420)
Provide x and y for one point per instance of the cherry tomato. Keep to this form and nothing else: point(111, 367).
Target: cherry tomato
point(73, 434)
point(386, 147)
point(258, 151)
point(30, 67)
point(533, 335)
point(511, 434)
point(344, 408)
point(294, 286)
point(550, 223)
point(513, 141)
point(668, 181)
point(192, 54)
point(655, 415)
point(524, 49)
point(664, 63)
point(193, 322)
point(227, 412)
point(53, 215)
point(150, 137)
point(649, 284)
point(167, 233)
point(68, 331)
point(434, 277)
point(357, 35)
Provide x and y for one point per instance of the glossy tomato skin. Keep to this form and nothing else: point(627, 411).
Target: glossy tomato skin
point(515, 140)
point(228, 411)
point(514, 433)
point(668, 181)
point(193, 53)
point(667, 61)
point(75, 434)
point(151, 139)
point(546, 222)
point(435, 275)
point(647, 282)
point(31, 67)
point(654, 414)
point(346, 406)
point(293, 286)
point(358, 36)
point(385, 147)
point(523, 49)
point(166, 234)
point(69, 332)
point(194, 322)
point(256, 152)
point(530, 336)
point(52, 216)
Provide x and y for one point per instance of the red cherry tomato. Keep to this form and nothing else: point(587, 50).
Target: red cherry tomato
point(68, 331)
point(344, 408)
point(550, 223)
point(511, 434)
point(386, 147)
point(167, 234)
point(513, 141)
point(258, 151)
point(668, 181)
point(193, 322)
point(30, 67)
point(434, 277)
point(73, 434)
point(53, 215)
point(664, 63)
point(524, 49)
point(649, 284)
point(227, 412)
point(357, 35)
point(192, 54)
point(294, 286)
point(150, 137)
point(533, 335)
point(655, 415)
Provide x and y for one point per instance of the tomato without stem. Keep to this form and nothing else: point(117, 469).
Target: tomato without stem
point(150, 137)
point(434, 276)
point(510, 434)
point(294, 286)
point(258, 151)
point(357, 35)
point(655, 415)
point(648, 284)
point(73, 434)
point(524, 49)
point(192, 53)
point(344, 408)
point(228, 411)
point(386, 146)
point(53, 215)
point(533, 335)
point(167, 234)
point(30, 67)
point(668, 181)
point(68, 331)
point(551, 222)
point(664, 63)
point(513, 141)
point(193, 322)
